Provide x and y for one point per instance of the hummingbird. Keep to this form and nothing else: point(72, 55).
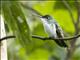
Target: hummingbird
point(53, 29)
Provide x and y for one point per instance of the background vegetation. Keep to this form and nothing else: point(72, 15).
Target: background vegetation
point(23, 23)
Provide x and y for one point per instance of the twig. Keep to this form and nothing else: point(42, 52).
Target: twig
point(7, 37)
point(72, 47)
point(49, 38)
point(76, 25)
point(33, 10)
point(69, 10)
point(78, 18)
point(44, 38)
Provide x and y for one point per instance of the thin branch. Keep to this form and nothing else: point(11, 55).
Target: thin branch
point(33, 10)
point(70, 10)
point(72, 47)
point(49, 38)
point(7, 37)
point(44, 38)
point(76, 24)
point(78, 14)
point(78, 8)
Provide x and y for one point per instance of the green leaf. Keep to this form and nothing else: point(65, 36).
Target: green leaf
point(16, 21)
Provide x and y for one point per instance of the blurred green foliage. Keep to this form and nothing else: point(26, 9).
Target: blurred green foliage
point(23, 24)
point(16, 20)
point(56, 10)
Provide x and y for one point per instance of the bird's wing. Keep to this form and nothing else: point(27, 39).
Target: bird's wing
point(59, 31)
point(55, 26)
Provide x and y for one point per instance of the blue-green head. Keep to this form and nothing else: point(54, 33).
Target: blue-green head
point(48, 17)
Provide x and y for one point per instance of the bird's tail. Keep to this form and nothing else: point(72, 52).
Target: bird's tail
point(61, 43)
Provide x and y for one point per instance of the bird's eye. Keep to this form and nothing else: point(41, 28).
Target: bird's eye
point(47, 17)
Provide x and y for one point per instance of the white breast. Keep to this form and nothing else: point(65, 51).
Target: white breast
point(50, 29)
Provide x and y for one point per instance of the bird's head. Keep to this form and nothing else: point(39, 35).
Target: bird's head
point(47, 17)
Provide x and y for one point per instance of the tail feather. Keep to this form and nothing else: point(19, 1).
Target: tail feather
point(61, 43)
